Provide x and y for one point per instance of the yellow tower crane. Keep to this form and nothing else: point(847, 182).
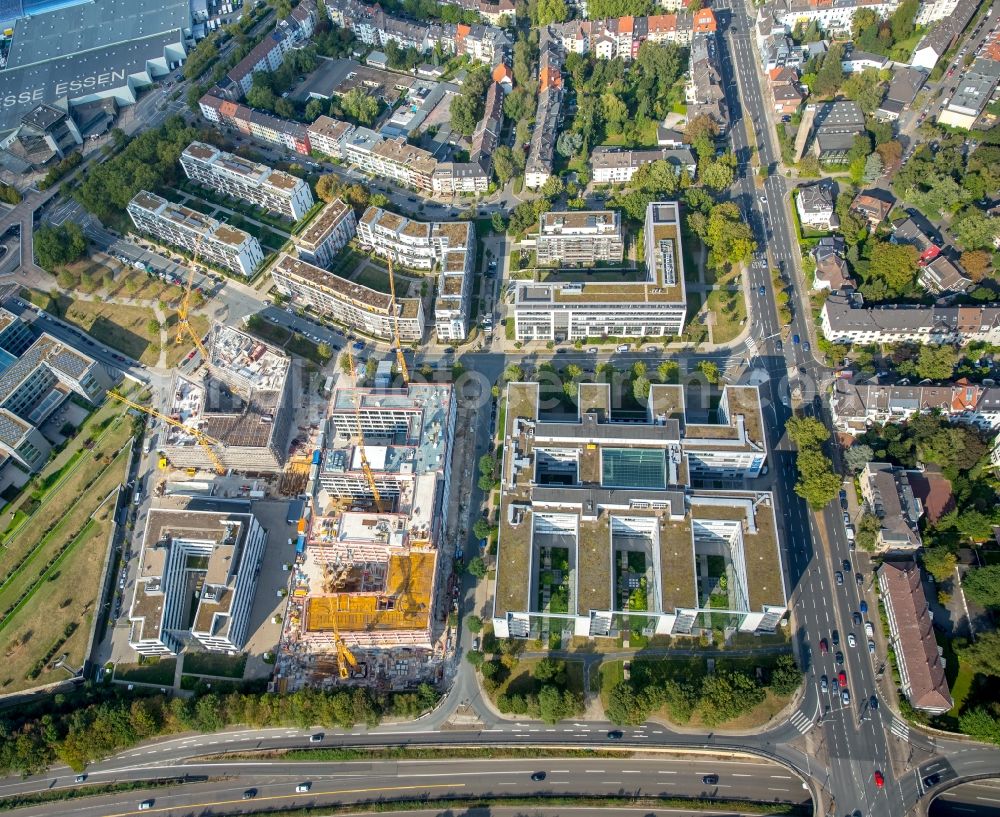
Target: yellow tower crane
point(365, 466)
point(400, 359)
point(183, 311)
point(203, 439)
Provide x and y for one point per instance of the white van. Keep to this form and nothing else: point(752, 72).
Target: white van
point(623, 348)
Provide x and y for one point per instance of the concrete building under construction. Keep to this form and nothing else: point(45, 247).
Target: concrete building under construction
point(240, 400)
point(367, 574)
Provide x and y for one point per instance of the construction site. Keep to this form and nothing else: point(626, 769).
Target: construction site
point(234, 412)
point(364, 604)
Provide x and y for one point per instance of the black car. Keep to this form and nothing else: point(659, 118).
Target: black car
point(710, 779)
point(835, 638)
point(615, 735)
point(857, 619)
point(839, 657)
point(931, 781)
point(249, 794)
point(846, 565)
point(538, 776)
point(873, 702)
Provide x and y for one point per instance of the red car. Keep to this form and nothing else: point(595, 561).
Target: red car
point(823, 646)
point(842, 677)
point(879, 780)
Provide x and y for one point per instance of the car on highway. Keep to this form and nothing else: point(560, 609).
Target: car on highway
point(842, 678)
point(615, 734)
point(317, 738)
point(824, 684)
point(871, 647)
point(537, 776)
point(863, 607)
point(879, 779)
point(869, 629)
point(249, 794)
point(824, 648)
point(592, 350)
point(79, 778)
point(778, 345)
point(807, 347)
point(835, 636)
point(838, 657)
point(846, 565)
point(851, 640)
point(761, 291)
point(839, 577)
point(146, 805)
point(859, 579)
point(303, 787)
point(931, 781)
point(763, 199)
point(873, 702)
point(795, 339)
point(856, 618)
point(710, 779)
point(845, 696)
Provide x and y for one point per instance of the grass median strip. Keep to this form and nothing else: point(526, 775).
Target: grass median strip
point(87, 790)
point(421, 753)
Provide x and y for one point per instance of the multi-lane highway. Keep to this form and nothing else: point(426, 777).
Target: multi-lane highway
point(273, 782)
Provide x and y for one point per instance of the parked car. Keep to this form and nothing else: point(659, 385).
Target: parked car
point(869, 629)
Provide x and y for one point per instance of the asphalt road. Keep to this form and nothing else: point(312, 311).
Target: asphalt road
point(981, 799)
point(275, 782)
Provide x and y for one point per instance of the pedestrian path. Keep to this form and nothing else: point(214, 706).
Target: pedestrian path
point(900, 729)
point(802, 722)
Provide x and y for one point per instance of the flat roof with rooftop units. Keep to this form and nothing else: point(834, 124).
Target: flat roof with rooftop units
point(594, 508)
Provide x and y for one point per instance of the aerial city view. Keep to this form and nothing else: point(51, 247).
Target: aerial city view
point(500, 407)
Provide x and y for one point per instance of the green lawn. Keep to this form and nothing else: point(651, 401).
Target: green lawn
point(960, 689)
point(151, 671)
point(611, 672)
point(210, 663)
point(373, 278)
point(730, 312)
point(646, 138)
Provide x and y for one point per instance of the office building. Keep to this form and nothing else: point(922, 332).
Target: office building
point(592, 510)
point(220, 554)
point(243, 402)
point(579, 237)
point(208, 240)
point(327, 234)
point(253, 182)
point(347, 303)
point(651, 306)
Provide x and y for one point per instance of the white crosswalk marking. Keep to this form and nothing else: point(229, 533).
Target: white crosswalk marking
point(900, 729)
point(801, 722)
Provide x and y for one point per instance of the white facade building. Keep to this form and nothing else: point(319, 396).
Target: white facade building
point(327, 234)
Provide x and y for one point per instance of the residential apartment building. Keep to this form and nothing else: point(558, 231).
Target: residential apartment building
point(223, 551)
point(449, 246)
point(856, 406)
point(845, 318)
point(541, 150)
point(943, 277)
point(257, 124)
point(622, 37)
point(617, 166)
point(579, 237)
point(976, 85)
point(874, 207)
point(814, 203)
point(242, 400)
point(831, 268)
point(911, 636)
point(269, 53)
point(705, 91)
point(327, 234)
point(943, 35)
point(614, 503)
point(207, 239)
point(886, 490)
point(345, 302)
point(37, 375)
point(240, 178)
point(653, 306)
point(327, 136)
point(786, 95)
point(831, 18)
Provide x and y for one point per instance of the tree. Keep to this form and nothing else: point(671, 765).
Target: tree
point(895, 264)
point(807, 431)
point(939, 562)
point(727, 695)
point(866, 88)
point(477, 567)
point(360, 106)
point(59, 245)
point(701, 132)
point(626, 706)
point(498, 223)
point(982, 585)
point(983, 655)
point(786, 675)
point(830, 74)
point(9, 194)
point(868, 530)
point(552, 188)
point(976, 263)
point(555, 704)
point(550, 11)
point(324, 351)
point(979, 723)
point(503, 164)
point(482, 529)
point(327, 187)
point(667, 371)
point(936, 362)
point(474, 623)
point(975, 230)
point(857, 457)
point(873, 168)
point(568, 143)
point(728, 235)
point(817, 483)
point(710, 370)
point(549, 669)
point(717, 175)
